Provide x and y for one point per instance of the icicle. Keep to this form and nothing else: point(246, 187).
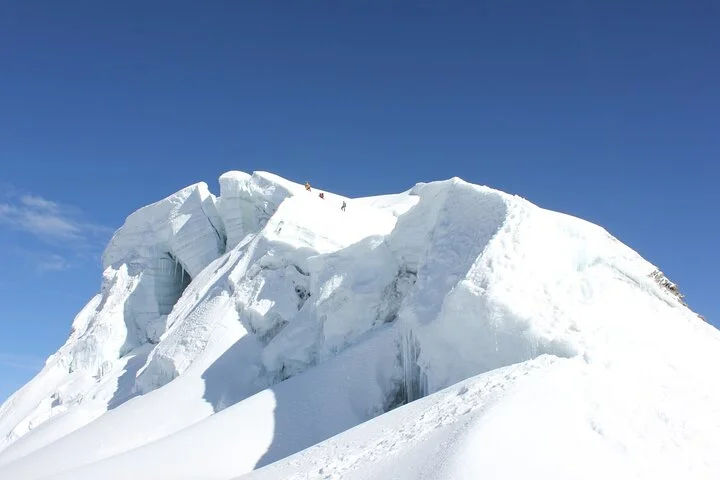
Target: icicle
point(496, 330)
point(406, 362)
point(411, 371)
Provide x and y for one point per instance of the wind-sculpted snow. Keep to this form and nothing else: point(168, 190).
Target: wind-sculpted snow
point(248, 201)
point(232, 332)
point(176, 226)
point(263, 283)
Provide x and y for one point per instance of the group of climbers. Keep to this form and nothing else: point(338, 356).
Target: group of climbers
point(322, 195)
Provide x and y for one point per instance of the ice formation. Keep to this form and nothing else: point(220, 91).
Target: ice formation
point(233, 332)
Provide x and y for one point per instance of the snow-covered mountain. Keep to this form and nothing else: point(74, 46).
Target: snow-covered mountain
point(450, 331)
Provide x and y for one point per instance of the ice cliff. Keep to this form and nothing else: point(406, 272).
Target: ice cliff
point(212, 303)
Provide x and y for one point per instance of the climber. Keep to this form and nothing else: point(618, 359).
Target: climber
point(307, 186)
point(343, 206)
point(322, 195)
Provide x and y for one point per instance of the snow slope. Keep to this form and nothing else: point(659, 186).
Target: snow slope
point(397, 339)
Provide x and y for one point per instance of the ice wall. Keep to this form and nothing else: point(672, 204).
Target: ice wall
point(268, 281)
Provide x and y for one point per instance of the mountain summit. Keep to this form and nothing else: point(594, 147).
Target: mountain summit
point(450, 331)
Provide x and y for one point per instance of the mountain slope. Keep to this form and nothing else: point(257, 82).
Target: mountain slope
point(267, 320)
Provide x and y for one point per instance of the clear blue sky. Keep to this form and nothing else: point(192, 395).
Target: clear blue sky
point(605, 110)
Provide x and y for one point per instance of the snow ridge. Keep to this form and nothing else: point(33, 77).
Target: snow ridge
point(270, 311)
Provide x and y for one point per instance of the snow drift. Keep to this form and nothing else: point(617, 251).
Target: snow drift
point(445, 332)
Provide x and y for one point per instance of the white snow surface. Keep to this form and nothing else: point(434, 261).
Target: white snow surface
point(450, 331)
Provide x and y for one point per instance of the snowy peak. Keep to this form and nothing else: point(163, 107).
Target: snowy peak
point(270, 310)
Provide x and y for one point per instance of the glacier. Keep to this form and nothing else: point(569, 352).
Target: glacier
point(448, 331)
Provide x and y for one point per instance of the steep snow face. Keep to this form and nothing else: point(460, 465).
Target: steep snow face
point(247, 202)
point(272, 312)
point(262, 283)
point(149, 263)
point(177, 227)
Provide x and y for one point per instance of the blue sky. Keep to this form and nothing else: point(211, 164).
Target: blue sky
point(604, 110)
